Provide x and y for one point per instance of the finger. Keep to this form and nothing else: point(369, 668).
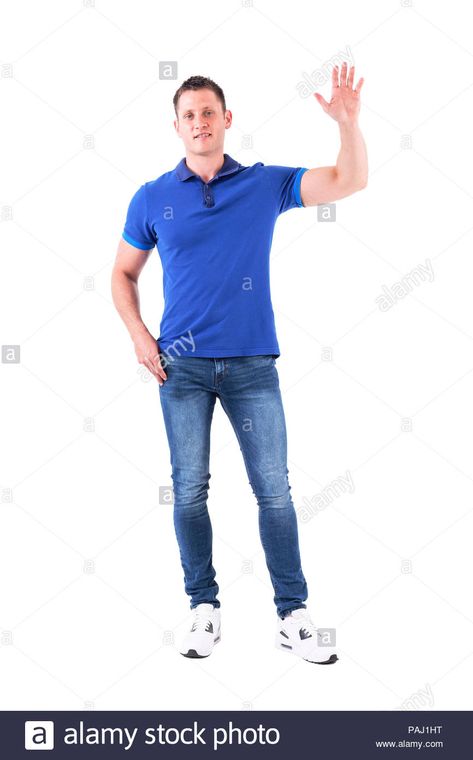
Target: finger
point(160, 374)
point(150, 366)
point(351, 75)
point(335, 77)
point(159, 367)
point(359, 85)
point(343, 78)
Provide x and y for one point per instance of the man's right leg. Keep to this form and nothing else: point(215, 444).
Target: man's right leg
point(188, 402)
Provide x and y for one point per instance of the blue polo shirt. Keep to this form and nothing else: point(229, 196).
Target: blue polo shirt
point(214, 241)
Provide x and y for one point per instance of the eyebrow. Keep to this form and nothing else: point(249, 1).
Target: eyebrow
point(191, 109)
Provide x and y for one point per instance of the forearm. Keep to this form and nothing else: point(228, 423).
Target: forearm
point(352, 161)
point(127, 302)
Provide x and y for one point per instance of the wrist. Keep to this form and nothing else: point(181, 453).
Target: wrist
point(350, 125)
point(138, 330)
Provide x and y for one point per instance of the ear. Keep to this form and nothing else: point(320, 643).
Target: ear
point(228, 119)
point(176, 125)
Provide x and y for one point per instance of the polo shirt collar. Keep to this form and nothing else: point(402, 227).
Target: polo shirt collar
point(229, 166)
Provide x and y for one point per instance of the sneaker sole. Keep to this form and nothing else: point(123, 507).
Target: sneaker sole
point(333, 658)
point(286, 648)
point(194, 655)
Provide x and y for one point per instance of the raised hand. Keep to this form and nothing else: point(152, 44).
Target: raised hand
point(344, 105)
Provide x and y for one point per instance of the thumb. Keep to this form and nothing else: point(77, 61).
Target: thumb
point(321, 100)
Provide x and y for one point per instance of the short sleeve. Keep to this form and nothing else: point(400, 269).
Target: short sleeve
point(137, 230)
point(285, 182)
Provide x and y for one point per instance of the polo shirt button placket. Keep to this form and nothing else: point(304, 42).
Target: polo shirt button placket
point(208, 195)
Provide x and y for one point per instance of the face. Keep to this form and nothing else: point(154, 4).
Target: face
point(200, 112)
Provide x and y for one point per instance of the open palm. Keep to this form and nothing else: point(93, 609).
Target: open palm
point(344, 105)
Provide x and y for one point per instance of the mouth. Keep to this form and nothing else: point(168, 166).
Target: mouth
point(203, 136)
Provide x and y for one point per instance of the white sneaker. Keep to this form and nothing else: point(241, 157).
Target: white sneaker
point(204, 631)
point(297, 634)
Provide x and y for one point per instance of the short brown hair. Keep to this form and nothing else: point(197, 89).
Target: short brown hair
point(199, 83)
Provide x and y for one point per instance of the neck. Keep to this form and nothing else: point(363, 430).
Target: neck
point(205, 166)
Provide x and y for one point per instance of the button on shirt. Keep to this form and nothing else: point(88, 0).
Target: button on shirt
point(214, 240)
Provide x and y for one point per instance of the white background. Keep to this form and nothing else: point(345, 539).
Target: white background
point(92, 605)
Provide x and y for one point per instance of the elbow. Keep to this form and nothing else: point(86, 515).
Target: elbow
point(362, 179)
point(360, 185)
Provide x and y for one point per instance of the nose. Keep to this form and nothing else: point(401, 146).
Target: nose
point(199, 127)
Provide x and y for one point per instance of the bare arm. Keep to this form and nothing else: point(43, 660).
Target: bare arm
point(350, 174)
point(128, 265)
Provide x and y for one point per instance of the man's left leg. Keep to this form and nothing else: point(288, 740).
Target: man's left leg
point(250, 395)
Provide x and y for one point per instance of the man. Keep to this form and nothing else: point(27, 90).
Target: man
point(212, 220)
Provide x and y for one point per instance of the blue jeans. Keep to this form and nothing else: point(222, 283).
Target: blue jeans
point(248, 389)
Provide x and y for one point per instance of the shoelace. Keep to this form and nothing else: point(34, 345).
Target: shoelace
point(308, 624)
point(201, 620)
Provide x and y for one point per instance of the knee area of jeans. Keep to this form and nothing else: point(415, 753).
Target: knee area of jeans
point(278, 503)
point(190, 508)
point(190, 488)
point(270, 483)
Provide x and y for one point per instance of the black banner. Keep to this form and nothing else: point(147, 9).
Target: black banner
point(228, 734)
